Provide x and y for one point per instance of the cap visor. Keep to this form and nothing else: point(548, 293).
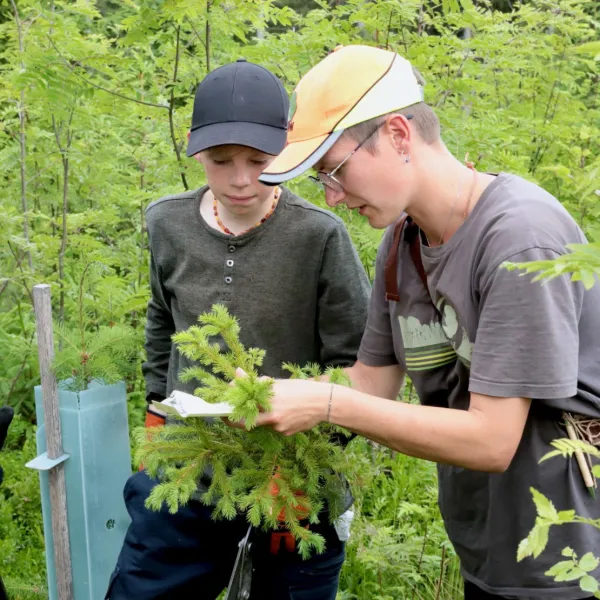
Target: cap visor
point(270, 140)
point(297, 158)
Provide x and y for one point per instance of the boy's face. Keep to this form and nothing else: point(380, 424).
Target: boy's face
point(232, 174)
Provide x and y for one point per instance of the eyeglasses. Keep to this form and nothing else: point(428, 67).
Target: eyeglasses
point(324, 179)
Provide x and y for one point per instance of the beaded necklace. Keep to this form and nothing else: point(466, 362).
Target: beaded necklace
point(229, 232)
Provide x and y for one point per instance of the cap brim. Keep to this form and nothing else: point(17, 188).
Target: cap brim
point(270, 140)
point(297, 158)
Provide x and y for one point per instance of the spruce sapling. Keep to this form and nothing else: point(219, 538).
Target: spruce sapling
point(275, 480)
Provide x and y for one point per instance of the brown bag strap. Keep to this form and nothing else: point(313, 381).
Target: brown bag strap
point(411, 235)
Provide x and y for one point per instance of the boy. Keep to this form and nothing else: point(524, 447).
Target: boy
point(288, 271)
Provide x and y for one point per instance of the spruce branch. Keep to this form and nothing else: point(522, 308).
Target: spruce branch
point(277, 481)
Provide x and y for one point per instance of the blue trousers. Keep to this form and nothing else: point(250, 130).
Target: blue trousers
point(188, 555)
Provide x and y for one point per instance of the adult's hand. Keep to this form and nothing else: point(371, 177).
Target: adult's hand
point(297, 405)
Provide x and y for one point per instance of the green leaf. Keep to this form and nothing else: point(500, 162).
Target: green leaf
point(588, 584)
point(587, 48)
point(560, 568)
point(544, 506)
point(535, 543)
point(588, 562)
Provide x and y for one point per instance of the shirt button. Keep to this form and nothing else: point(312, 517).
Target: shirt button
point(229, 263)
point(228, 280)
point(231, 248)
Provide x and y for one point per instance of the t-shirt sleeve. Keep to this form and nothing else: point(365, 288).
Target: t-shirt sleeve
point(527, 340)
point(377, 344)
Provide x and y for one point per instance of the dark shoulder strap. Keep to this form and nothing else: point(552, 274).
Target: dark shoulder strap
point(391, 264)
point(411, 235)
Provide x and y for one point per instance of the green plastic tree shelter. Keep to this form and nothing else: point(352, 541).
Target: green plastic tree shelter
point(95, 457)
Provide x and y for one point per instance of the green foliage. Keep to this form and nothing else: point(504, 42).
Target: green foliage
point(547, 516)
point(270, 477)
point(398, 547)
point(96, 100)
point(583, 263)
point(106, 354)
point(21, 531)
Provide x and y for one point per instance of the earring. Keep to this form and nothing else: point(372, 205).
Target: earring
point(407, 159)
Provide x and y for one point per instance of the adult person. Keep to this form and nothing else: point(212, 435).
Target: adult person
point(496, 359)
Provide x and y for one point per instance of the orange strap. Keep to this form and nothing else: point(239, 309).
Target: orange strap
point(289, 543)
point(152, 420)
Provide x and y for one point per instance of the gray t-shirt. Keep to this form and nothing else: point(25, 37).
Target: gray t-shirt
point(494, 332)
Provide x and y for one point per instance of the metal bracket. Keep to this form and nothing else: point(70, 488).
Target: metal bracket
point(240, 582)
point(43, 463)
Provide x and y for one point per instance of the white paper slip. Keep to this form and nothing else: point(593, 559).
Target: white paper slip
point(186, 405)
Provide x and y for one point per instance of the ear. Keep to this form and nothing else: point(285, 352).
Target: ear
point(398, 129)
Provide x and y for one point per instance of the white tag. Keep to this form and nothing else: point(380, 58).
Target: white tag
point(342, 525)
point(187, 405)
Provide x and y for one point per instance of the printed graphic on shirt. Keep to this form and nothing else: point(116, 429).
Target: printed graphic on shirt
point(434, 344)
point(455, 332)
point(426, 345)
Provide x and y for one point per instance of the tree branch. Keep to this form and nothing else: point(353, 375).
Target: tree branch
point(458, 74)
point(172, 108)
point(20, 267)
point(207, 45)
point(19, 372)
point(99, 87)
point(196, 32)
point(387, 36)
point(21, 111)
point(65, 207)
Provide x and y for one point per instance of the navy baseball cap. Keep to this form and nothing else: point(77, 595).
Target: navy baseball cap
point(240, 103)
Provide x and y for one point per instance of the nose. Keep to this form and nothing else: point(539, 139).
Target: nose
point(333, 197)
point(241, 179)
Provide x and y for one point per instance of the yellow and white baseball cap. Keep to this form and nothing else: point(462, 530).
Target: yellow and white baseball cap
point(349, 86)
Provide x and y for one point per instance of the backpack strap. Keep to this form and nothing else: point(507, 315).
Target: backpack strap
point(412, 236)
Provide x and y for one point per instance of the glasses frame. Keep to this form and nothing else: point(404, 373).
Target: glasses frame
point(324, 179)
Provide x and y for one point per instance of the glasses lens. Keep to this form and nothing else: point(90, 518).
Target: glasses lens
point(316, 181)
point(331, 183)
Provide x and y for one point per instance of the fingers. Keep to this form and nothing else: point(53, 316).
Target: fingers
point(234, 424)
point(264, 418)
point(239, 372)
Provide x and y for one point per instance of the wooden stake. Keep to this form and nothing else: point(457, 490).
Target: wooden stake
point(583, 465)
point(56, 475)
